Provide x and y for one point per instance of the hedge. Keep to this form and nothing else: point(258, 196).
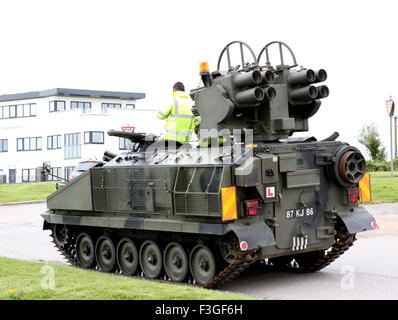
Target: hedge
point(380, 165)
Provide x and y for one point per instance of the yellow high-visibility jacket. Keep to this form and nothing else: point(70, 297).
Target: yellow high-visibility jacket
point(206, 143)
point(180, 121)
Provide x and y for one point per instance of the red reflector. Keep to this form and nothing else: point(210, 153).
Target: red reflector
point(243, 245)
point(252, 212)
point(353, 192)
point(374, 225)
point(354, 199)
point(252, 204)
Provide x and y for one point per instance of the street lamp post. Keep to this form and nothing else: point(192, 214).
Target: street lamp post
point(391, 150)
point(390, 111)
point(395, 136)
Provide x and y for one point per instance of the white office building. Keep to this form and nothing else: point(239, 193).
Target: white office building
point(65, 127)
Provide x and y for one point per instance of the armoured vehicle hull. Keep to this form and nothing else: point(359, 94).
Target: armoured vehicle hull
point(203, 215)
point(298, 209)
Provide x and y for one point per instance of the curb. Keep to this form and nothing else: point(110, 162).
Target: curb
point(22, 202)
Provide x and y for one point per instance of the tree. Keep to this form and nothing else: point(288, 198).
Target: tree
point(369, 136)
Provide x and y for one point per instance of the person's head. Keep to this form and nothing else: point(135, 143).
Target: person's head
point(178, 86)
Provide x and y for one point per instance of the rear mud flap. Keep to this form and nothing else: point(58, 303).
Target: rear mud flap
point(256, 236)
point(358, 220)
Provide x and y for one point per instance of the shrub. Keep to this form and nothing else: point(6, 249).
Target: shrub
point(372, 166)
point(377, 166)
point(369, 136)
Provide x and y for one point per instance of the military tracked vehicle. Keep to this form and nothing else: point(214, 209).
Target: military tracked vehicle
point(203, 214)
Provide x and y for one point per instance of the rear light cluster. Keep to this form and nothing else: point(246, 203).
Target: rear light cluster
point(353, 195)
point(252, 207)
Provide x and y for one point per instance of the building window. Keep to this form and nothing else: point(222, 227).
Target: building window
point(72, 146)
point(125, 144)
point(18, 111)
point(68, 171)
point(130, 106)
point(3, 145)
point(29, 144)
point(33, 110)
point(57, 171)
point(13, 111)
point(54, 142)
point(105, 106)
point(57, 105)
point(26, 110)
point(28, 175)
point(5, 112)
point(86, 106)
point(94, 137)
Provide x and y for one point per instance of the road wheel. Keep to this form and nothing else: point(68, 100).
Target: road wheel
point(105, 254)
point(127, 256)
point(175, 262)
point(85, 250)
point(151, 259)
point(202, 264)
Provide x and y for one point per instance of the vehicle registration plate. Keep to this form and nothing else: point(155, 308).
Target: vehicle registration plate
point(299, 213)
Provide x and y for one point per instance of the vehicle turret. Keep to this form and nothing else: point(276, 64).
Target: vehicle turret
point(273, 101)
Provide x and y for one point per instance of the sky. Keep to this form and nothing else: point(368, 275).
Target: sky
point(146, 46)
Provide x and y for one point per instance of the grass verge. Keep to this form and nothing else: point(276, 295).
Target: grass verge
point(22, 280)
point(384, 190)
point(382, 174)
point(25, 191)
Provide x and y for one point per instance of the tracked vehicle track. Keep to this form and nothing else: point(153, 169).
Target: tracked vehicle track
point(242, 261)
point(316, 260)
point(68, 250)
point(343, 242)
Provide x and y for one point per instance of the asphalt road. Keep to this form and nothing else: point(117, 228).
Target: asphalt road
point(369, 270)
